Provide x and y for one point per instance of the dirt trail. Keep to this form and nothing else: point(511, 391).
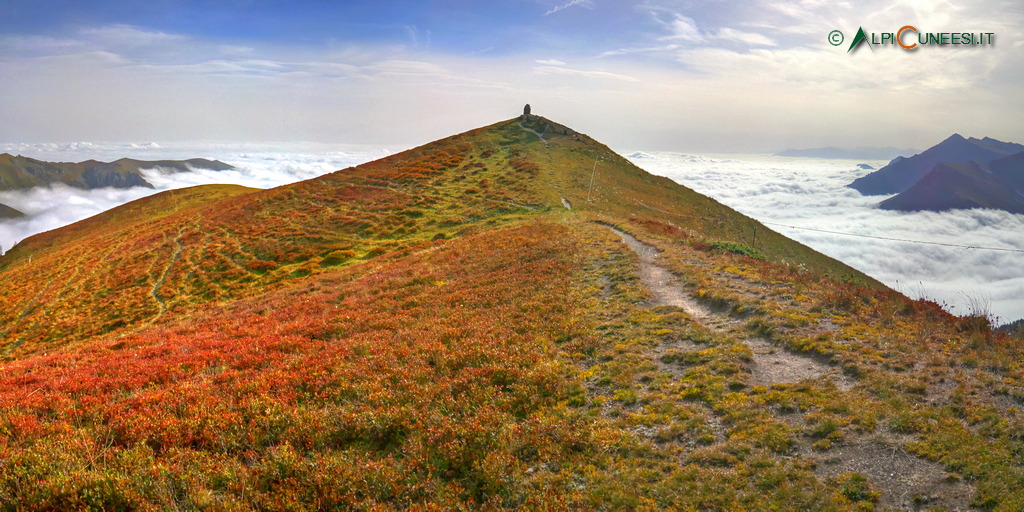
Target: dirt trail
point(907, 482)
point(771, 365)
point(663, 285)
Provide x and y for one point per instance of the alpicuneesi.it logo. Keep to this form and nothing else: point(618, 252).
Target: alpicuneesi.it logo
point(909, 37)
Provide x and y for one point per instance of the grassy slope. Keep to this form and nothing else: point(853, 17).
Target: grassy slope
point(434, 329)
point(623, 190)
point(11, 174)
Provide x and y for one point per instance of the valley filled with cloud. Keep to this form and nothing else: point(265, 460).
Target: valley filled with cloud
point(811, 193)
point(785, 193)
point(256, 165)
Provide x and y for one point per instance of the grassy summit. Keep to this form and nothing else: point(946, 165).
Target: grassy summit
point(437, 330)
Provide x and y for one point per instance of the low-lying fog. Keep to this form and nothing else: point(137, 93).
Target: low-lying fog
point(802, 192)
point(812, 193)
point(256, 165)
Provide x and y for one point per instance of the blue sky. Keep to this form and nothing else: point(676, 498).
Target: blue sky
point(651, 74)
point(451, 26)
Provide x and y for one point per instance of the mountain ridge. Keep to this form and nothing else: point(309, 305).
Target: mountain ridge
point(438, 330)
point(127, 219)
point(902, 173)
point(6, 212)
point(964, 186)
point(19, 172)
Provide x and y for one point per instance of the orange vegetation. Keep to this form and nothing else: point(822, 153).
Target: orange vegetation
point(435, 331)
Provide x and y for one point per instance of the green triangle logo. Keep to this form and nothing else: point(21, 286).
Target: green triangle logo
point(858, 39)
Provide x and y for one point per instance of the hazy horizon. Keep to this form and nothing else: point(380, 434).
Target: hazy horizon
point(749, 77)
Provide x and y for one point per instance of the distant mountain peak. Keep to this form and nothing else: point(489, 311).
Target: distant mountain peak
point(6, 212)
point(902, 174)
point(966, 185)
point(19, 172)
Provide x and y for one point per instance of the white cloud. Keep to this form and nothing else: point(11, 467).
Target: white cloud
point(126, 35)
point(751, 38)
point(812, 193)
point(404, 67)
point(558, 70)
point(684, 29)
point(744, 75)
point(648, 49)
point(566, 5)
point(257, 165)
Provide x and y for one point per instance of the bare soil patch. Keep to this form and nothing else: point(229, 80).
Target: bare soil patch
point(906, 482)
point(774, 365)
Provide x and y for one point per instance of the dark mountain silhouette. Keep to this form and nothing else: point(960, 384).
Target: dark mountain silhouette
point(858, 153)
point(1014, 327)
point(19, 172)
point(1009, 171)
point(962, 185)
point(6, 212)
point(902, 173)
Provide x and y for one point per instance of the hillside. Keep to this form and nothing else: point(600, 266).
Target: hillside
point(902, 173)
point(964, 186)
point(6, 212)
point(485, 321)
point(19, 172)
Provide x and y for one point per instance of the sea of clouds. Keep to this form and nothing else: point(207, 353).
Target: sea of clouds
point(801, 192)
point(812, 193)
point(256, 165)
